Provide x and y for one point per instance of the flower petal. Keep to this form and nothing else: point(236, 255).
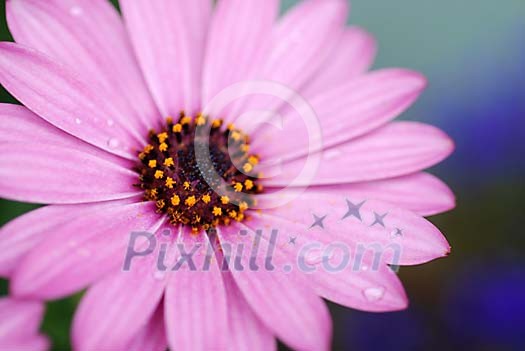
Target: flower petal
point(398, 236)
point(22, 234)
point(195, 301)
point(20, 125)
point(238, 41)
point(282, 301)
point(396, 149)
point(82, 250)
point(301, 42)
point(153, 336)
point(102, 54)
point(344, 113)
point(19, 318)
point(115, 309)
point(246, 331)
point(57, 94)
point(44, 173)
point(353, 56)
point(359, 283)
point(169, 38)
point(33, 343)
point(421, 193)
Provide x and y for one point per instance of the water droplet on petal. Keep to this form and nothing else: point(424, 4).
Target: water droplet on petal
point(113, 143)
point(84, 252)
point(159, 275)
point(78, 121)
point(374, 294)
point(76, 11)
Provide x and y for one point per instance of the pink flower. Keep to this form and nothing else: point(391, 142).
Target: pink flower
point(19, 325)
point(94, 85)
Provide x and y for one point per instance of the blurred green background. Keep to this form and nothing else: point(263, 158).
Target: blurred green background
point(473, 53)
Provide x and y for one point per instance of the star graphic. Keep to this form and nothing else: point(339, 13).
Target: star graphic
point(398, 232)
point(353, 209)
point(318, 221)
point(379, 219)
point(292, 240)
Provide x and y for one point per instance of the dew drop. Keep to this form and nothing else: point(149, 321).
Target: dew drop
point(76, 11)
point(78, 121)
point(374, 294)
point(159, 275)
point(84, 252)
point(113, 143)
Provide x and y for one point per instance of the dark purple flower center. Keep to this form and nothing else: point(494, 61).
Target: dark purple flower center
point(199, 173)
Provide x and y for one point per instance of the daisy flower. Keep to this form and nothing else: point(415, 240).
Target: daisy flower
point(19, 325)
point(117, 112)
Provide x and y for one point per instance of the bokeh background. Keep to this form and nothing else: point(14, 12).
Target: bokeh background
point(473, 52)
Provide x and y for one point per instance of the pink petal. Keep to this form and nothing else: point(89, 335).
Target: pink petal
point(370, 286)
point(100, 53)
point(169, 38)
point(418, 242)
point(34, 343)
point(246, 331)
point(195, 301)
point(282, 301)
point(344, 113)
point(82, 250)
point(421, 193)
point(396, 149)
point(238, 41)
point(115, 309)
point(21, 235)
point(18, 125)
point(353, 56)
point(19, 318)
point(302, 41)
point(57, 94)
point(45, 173)
point(152, 337)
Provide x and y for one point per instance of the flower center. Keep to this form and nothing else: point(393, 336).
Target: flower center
point(199, 173)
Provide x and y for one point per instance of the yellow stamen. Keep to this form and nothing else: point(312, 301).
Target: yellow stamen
point(254, 160)
point(217, 211)
point(233, 214)
point(175, 200)
point(200, 121)
point(169, 162)
point(243, 206)
point(148, 148)
point(236, 136)
point(190, 201)
point(245, 148)
point(216, 123)
point(170, 182)
point(159, 174)
point(185, 120)
point(248, 184)
point(169, 120)
point(163, 147)
point(225, 200)
point(177, 128)
point(162, 137)
point(237, 187)
point(160, 204)
point(206, 199)
point(152, 163)
point(247, 167)
point(186, 185)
